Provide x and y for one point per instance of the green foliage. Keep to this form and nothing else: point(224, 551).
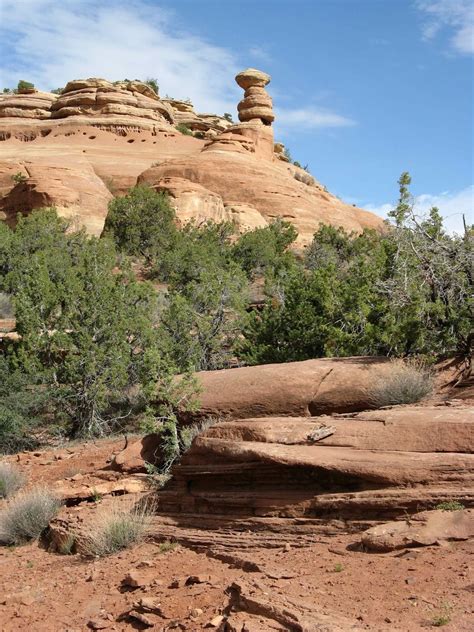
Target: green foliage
point(22, 400)
point(167, 546)
point(27, 515)
point(142, 223)
point(228, 117)
point(407, 291)
point(265, 249)
point(184, 129)
point(84, 325)
point(57, 91)
point(24, 85)
point(201, 320)
point(6, 307)
point(450, 505)
point(153, 83)
point(443, 616)
point(19, 177)
point(116, 528)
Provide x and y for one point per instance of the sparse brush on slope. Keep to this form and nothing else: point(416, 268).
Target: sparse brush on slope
point(405, 383)
point(11, 480)
point(27, 515)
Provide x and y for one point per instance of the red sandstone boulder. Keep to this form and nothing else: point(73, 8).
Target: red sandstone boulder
point(137, 453)
point(311, 387)
point(74, 190)
point(423, 529)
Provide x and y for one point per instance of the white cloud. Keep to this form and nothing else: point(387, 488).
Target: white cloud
point(260, 54)
point(50, 42)
point(309, 118)
point(456, 15)
point(452, 206)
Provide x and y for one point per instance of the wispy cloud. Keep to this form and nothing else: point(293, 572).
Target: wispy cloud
point(452, 205)
point(455, 15)
point(50, 42)
point(309, 118)
point(260, 54)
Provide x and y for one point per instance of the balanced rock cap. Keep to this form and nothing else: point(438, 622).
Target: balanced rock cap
point(252, 77)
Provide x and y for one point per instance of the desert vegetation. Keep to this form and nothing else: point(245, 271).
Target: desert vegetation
point(11, 480)
point(105, 324)
point(117, 527)
point(27, 515)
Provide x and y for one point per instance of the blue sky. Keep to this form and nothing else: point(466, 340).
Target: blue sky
point(363, 89)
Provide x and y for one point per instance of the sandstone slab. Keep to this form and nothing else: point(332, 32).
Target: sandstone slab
point(423, 529)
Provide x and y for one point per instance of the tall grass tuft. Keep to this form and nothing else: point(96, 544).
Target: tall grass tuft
point(27, 515)
point(405, 383)
point(117, 527)
point(11, 480)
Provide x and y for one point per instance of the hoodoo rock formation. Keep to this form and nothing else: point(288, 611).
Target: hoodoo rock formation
point(123, 133)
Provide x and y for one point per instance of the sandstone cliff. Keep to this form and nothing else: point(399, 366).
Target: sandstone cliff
point(98, 138)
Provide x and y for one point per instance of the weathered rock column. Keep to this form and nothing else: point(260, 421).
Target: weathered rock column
point(256, 111)
point(257, 104)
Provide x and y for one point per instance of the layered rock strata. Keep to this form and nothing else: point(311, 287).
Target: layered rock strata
point(272, 469)
point(29, 105)
point(127, 135)
point(208, 124)
point(99, 98)
point(240, 165)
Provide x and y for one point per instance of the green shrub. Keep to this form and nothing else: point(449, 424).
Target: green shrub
point(117, 527)
point(451, 505)
point(167, 546)
point(153, 83)
point(22, 402)
point(11, 480)
point(19, 177)
point(24, 85)
point(404, 383)
point(102, 340)
point(27, 515)
point(184, 129)
point(443, 616)
point(6, 307)
point(142, 223)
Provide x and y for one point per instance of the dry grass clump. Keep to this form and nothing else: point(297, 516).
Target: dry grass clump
point(405, 383)
point(27, 515)
point(117, 527)
point(11, 480)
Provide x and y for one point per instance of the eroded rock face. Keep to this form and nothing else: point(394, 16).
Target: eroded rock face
point(191, 201)
point(423, 529)
point(230, 166)
point(208, 124)
point(257, 103)
point(272, 468)
point(126, 134)
point(101, 98)
point(31, 105)
point(240, 165)
point(76, 192)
